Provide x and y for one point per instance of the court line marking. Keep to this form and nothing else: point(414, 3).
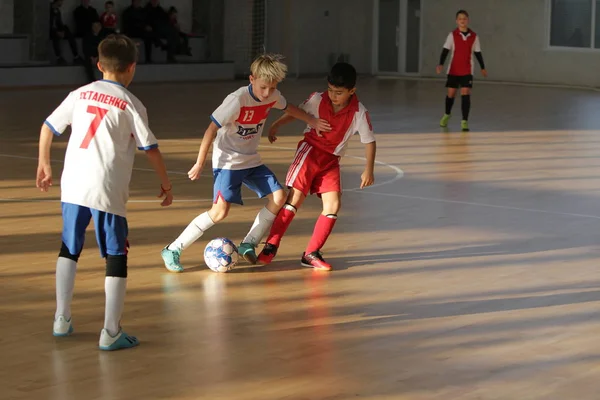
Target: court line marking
point(62, 162)
point(468, 203)
point(398, 172)
point(399, 175)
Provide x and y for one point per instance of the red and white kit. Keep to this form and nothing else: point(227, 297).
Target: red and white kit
point(316, 166)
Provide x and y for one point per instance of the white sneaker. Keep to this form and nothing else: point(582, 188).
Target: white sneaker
point(62, 326)
point(120, 341)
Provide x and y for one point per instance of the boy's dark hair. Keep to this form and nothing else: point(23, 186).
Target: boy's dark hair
point(462, 12)
point(343, 75)
point(112, 3)
point(116, 53)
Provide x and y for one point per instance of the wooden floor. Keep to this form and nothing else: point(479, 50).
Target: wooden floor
point(469, 272)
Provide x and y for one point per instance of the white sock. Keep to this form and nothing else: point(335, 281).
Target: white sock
point(262, 223)
point(114, 289)
point(65, 281)
point(194, 230)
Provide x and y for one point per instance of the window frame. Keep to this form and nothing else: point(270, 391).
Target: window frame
point(591, 49)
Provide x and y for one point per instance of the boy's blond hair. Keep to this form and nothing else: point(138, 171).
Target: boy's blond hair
point(116, 53)
point(269, 67)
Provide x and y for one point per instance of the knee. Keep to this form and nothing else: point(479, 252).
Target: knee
point(116, 266)
point(218, 214)
point(279, 198)
point(332, 207)
point(65, 253)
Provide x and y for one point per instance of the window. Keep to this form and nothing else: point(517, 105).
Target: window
point(575, 23)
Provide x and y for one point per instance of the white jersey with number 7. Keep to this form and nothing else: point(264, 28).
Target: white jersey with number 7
point(107, 124)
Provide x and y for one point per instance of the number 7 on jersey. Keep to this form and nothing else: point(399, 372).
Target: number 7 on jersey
point(99, 114)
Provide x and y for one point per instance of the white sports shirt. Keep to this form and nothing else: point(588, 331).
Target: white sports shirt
point(241, 119)
point(107, 122)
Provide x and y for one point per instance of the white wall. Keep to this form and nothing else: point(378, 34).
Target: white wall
point(184, 7)
point(6, 16)
point(301, 30)
point(514, 42)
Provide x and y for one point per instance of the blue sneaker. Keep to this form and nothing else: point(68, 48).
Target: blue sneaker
point(120, 341)
point(62, 327)
point(171, 259)
point(248, 251)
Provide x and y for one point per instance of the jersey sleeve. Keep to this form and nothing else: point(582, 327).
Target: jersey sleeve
point(365, 128)
point(281, 103)
point(311, 105)
point(477, 45)
point(449, 44)
point(62, 116)
point(227, 112)
point(144, 138)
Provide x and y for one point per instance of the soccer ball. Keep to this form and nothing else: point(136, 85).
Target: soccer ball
point(221, 255)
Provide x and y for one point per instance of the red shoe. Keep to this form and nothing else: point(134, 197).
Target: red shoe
point(315, 260)
point(267, 254)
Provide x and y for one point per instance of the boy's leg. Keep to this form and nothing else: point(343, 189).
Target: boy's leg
point(264, 183)
point(328, 185)
point(326, 221)
point(452, 86)
point(111, 234)
point(465, 93)
point(281, 224)
point(227, 190)
point(299, 179)
point(75, 221)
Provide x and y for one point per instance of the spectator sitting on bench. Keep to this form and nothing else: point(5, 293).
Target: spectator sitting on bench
point(135, 25)
point(59, 31)
point(183, 43)
point(84, 16)
point(90, 50)
point(158, 19)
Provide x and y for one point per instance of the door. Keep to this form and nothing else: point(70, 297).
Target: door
point(389, 26)
point(398, 35)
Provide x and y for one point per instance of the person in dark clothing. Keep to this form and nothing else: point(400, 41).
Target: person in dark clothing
point(158, 19)
point(135, 26)
point(183, 45)
point(59, 31)
point(90, 49)
point(84, 15)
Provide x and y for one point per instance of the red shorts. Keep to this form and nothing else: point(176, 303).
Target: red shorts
point(314, 171)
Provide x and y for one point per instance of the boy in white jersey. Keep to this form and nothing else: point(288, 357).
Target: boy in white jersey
point(107, 123)
point(236, 126)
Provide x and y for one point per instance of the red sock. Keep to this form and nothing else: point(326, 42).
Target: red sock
point(323, 228)
point(282, 222)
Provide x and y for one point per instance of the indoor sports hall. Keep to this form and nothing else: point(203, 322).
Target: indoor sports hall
point(468, 270)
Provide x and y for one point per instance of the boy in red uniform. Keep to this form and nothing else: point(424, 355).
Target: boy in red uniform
point(109, 18)
point(316, 166)
point(461, 43)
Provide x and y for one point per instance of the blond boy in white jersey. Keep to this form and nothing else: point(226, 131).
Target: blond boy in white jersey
point(107, 123)
point(236, 126)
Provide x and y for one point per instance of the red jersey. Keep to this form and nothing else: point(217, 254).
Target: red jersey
point(462, 46)
point(109, 20)
point(352, 119)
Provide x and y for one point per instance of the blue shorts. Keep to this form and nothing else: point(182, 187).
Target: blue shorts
point(111, 230)
point(228, 183)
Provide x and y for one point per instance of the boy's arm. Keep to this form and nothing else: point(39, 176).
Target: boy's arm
point(368, 178)
point(155, 158)
point(209, 137)
point(448, 45)
point(318, 124)
point(44, 170)
point(479, 56)
point(292, 112)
